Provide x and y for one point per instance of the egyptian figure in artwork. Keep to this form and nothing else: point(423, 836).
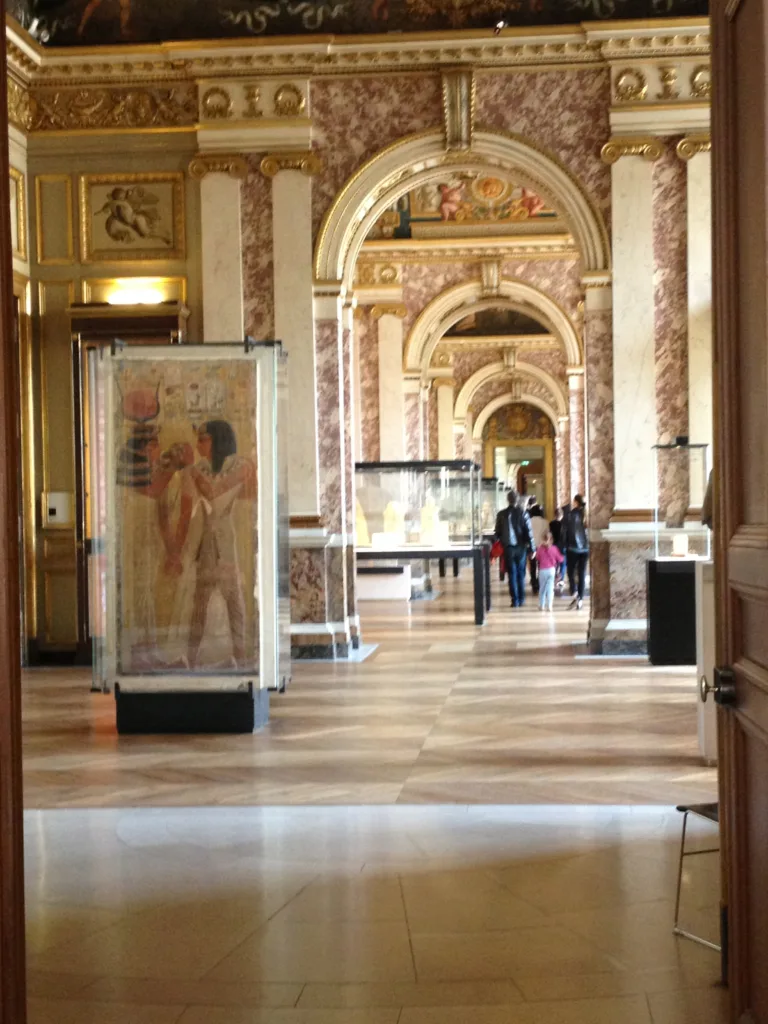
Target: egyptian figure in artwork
point(214, 484)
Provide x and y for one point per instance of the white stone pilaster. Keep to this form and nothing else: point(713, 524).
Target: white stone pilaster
point(222, 259)
point(634, 382)
point(294, 326)
point(391, 389)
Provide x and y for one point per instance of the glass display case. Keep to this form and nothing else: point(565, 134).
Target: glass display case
point(189, 512)
point(681, 473)
point(417, 504)
point(493, 498)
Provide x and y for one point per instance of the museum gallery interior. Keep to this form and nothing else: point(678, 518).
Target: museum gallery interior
point(294, 295)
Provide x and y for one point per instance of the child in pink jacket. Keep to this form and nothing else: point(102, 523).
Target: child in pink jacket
point(548, 557)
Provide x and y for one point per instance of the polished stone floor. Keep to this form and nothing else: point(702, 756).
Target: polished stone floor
point(367, 915)
point(442, 711)
point(539, 889)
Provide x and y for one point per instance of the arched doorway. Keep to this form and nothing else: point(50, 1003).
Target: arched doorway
point(519, 449)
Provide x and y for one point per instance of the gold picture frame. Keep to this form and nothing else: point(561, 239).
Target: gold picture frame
point(132, 217)
point(18, 192)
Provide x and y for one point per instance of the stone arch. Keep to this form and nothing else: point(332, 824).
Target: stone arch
point(452, 305)
point(509, 399)
point(491, 370)
point(419, 158)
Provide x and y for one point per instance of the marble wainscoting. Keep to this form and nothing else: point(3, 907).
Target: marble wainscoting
point(320, 623)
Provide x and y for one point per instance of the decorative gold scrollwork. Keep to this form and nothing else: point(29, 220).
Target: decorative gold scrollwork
point(232, 164)
point(216, 104)
point(289, 101)
point(630, 86)
point(648, 147)
point(669, 90)
point(306, 161)
point(688, 147)
point(701, 82)
point(252, 94)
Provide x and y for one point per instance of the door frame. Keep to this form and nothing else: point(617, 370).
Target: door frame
point(547, 443)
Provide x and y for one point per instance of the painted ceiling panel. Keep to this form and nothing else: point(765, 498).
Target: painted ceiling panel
point(78, 22)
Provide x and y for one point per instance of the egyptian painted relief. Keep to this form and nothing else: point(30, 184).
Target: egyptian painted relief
point(74, 22)
point(184, 516)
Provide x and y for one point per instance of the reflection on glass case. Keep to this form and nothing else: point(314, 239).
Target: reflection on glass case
point(493, 498)
point(681, 476)
point(188, 500)
point(417, 504)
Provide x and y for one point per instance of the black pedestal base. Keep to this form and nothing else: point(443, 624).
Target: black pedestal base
point(191, 712)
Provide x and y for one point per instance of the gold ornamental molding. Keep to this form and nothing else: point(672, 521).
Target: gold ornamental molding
point(647, 146)
point(701, 82)
point(233, 164)
point(691, 145)
point(18, 105)
point(459, 95)
point(444, 382)
point(70, 110)
point(630, 86)
point(397, 309)
point(305, 160)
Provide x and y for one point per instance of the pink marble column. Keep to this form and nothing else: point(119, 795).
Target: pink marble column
point(670, 282)
point(576, 433)
point(562, 463)
point(412, 425)
point(350, 571)
point(598, 345)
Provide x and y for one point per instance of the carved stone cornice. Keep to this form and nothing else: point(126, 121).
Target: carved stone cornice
point(459, 93)
point(688, 147)
point(99, 108)
point(647, 146)
point(381, 309)
point(306, 161)
point(233, 164)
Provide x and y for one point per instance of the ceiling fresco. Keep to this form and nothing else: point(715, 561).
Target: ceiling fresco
point(78, 22)
point(467, 203)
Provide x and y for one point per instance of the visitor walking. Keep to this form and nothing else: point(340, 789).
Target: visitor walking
point(577, 547)
point(548, 557)
point(513, 531)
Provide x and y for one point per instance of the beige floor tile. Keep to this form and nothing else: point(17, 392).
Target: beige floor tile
point(50, 985)
point(499, 954)
point(53, 924)
point(329, 951)
point(227, 1015)
point(49, 1011)
point(464, 901)
point(149, 991)
point(359, 899)
point(414, 994)
point(698, 1006)
point(633, 1010)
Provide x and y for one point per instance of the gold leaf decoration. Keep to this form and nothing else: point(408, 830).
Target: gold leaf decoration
point(68, 109)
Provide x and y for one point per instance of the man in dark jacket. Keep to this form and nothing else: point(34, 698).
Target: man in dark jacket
point(513, 531)
point(577, 547)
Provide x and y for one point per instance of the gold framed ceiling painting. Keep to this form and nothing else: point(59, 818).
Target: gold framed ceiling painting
point(132, 217)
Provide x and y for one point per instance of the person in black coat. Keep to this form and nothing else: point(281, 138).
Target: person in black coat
point(577, 549)
point(514, 533)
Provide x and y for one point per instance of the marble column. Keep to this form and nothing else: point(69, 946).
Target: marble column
point(576, 436)
point(424, 395)
point(413, 439)
point(350, 361)
point(695, 150)
point(562, 463)
point(444, 386)
point(221, 244)
point(634, 376)
point(392, 445)
point(294, 323)
point(598, 354)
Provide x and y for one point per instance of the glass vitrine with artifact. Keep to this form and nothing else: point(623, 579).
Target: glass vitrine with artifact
point(493, 498)
point(189, 502)
point(681, 472)
point(417, 504)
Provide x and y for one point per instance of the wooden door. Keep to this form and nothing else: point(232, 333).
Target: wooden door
point(12, 981)
point(740, 165)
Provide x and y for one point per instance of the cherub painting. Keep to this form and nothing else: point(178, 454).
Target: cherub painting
point(132, 216)
point(133, 213)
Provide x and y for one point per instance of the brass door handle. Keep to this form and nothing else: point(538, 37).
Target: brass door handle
point(705, 689)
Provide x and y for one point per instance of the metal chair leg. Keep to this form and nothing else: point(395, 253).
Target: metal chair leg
point(680, 873)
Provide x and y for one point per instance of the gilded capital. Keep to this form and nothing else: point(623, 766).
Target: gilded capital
point(397, 309)
point(646, 146)
point(443, 382)
point(305, 160)
point(232, 164)
point(688, 147)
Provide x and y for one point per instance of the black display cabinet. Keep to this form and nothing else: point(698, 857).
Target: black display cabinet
point(672, 611)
